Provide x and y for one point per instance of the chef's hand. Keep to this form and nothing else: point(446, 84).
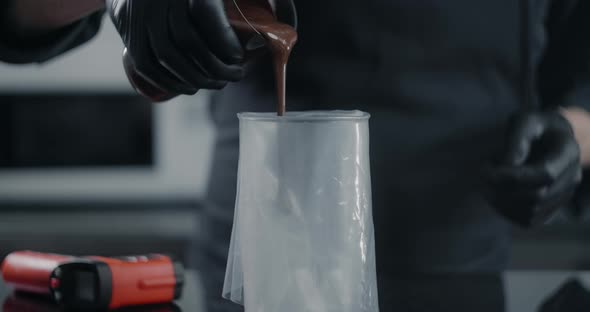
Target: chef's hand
point(179, 46)
point(539, 170)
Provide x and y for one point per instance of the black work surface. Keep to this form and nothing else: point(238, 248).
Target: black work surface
point(509, 292)
point(18, 302)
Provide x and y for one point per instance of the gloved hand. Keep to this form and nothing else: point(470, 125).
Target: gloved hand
point(179, 46)
point(539, 170)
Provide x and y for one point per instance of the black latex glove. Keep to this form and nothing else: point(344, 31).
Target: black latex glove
point(179, 46)
point(539, 169)
point(571, 297)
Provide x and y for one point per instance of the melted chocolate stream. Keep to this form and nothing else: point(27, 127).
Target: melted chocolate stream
point(280, 38)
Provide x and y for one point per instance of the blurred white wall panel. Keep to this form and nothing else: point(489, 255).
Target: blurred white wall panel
point(183, 133)
point(94, 66)
point(184, 141)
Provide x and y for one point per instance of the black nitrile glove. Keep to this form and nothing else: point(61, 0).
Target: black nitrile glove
point(571, 297)
point(179, 46)
point(539, 170)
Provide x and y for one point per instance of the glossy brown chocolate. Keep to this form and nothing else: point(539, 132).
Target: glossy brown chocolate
point(256, 18)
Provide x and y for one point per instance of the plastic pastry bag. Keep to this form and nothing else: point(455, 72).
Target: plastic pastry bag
point(302, 238)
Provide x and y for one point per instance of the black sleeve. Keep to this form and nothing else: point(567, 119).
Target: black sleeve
point(564, 75)
point(40, 49)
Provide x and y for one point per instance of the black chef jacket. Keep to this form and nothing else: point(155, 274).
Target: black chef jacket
point(440, 79)
point(40, 49)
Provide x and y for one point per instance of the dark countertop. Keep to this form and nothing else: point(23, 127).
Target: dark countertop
point(190, 301)
point(510, 292)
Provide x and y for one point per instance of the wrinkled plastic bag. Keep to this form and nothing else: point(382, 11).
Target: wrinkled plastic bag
point(302, 239)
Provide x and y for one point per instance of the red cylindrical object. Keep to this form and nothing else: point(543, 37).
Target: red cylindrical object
point(141, 280)
point(113, 282)
point(30, 271)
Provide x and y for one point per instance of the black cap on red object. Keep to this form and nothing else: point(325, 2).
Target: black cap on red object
point(82, 286)
point(179, 276)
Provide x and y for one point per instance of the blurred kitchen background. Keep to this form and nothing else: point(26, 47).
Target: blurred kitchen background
point(88, 167)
